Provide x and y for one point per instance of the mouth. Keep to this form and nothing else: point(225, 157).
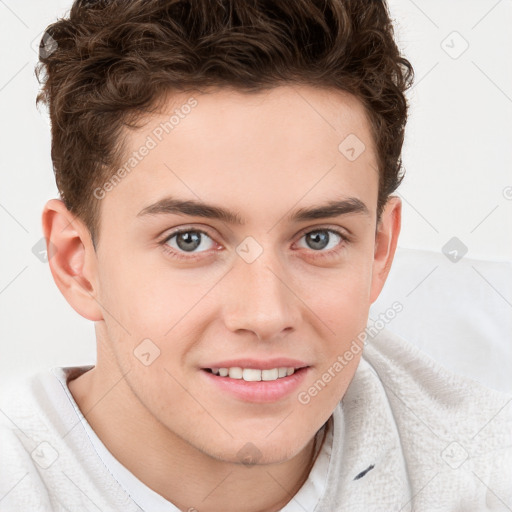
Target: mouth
point(254, 374)
point(256, 385)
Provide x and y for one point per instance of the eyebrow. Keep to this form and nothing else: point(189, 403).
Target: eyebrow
point(170, 205)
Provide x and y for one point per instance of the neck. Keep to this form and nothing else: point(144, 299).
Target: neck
point(179, 472)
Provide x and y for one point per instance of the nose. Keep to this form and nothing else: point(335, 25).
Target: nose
point(259, 299)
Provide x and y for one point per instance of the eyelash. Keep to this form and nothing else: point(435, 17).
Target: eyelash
point(192, 256)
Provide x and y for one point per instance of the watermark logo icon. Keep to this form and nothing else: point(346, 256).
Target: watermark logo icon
point(454, 249)
point(249, 454)
point(249, 249)
point(44, 45)
point(42, 251)
point(454, 45)
point(351, 147)
point(454, 455)
point(44, 455)
point(146, 352)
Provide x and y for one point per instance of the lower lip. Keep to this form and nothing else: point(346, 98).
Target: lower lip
point(260, 391)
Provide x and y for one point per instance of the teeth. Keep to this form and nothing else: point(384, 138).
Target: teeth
point(252, 374)
point(235, 373)
point(270, 374)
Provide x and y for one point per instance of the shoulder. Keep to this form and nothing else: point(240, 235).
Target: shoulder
point(454, 433)
point(47, 460)
point(420, 381)
point(21, 485)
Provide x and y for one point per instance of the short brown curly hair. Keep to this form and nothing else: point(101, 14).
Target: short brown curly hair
point(111, 61)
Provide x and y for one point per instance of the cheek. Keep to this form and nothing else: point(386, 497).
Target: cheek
point(342, 297)
point(146, 295)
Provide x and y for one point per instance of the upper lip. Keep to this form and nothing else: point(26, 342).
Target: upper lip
point(261, 364)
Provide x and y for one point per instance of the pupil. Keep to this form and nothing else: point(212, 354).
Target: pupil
point(317, 239)
point(188, 241)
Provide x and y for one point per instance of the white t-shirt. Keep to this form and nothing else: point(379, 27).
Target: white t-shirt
point(407, 436)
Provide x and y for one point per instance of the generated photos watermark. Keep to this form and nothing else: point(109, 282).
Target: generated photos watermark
point(151, 142)
point(356, 346)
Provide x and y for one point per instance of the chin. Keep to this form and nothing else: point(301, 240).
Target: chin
point(255, 452)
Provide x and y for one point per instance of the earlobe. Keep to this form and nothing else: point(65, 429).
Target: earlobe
point(386, 240)
point(72, 258)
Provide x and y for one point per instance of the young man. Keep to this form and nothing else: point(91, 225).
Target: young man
point(226, 219)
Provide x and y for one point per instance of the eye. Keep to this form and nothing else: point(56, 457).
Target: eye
point(321, 239)
point(189, 241)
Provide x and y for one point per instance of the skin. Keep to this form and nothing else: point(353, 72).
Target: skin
point(263, 156)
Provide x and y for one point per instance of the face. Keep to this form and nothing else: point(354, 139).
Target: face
point(243, 239)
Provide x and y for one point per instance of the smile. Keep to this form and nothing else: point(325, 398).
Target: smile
point(256, 385)
point(253, 374)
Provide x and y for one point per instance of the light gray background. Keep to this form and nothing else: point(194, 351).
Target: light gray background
point(457, 154)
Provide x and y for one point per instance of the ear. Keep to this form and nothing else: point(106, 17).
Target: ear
point(386, 240)
point(72, 259)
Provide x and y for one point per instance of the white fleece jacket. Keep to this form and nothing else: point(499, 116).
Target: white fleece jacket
point(407, 436)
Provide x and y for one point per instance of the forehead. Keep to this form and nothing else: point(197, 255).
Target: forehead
point(250, 150)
